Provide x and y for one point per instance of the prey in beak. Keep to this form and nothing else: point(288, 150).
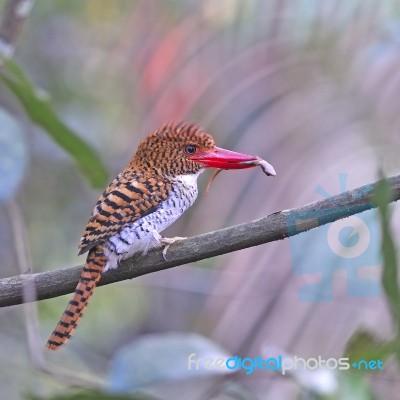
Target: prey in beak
point(227, 159)
point(223, 159)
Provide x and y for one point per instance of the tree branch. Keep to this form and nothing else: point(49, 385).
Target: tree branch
point(271, 228)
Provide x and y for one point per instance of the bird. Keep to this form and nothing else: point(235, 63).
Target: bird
point(157, 186)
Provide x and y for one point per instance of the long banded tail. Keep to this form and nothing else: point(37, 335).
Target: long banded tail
point(90, 276)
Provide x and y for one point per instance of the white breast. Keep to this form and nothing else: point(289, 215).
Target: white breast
point(139, 236)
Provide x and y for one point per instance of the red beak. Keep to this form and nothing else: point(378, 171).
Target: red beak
point(223, 159)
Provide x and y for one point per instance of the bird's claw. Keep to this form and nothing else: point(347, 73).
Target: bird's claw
point(167, 243)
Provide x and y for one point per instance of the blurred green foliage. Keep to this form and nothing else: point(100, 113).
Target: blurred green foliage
point(39, 110)
point(363, 345)
point(390, 276)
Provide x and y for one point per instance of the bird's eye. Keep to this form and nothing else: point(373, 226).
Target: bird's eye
point(190, 149)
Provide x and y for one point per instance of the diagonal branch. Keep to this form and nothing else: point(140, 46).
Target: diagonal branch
point(271, 228)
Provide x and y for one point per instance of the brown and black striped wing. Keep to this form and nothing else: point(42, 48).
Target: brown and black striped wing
point(129, 197)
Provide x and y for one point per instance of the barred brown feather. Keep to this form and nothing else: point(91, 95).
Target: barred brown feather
point(130, 196)
point(90, 276)
point(147, 196)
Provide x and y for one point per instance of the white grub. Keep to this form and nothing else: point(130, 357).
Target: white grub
point(267, 168)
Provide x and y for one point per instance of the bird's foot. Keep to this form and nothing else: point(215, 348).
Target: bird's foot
point(167, 243)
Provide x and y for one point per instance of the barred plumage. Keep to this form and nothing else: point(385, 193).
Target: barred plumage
point(91, 274)
point(130, 196)
point(156, 187)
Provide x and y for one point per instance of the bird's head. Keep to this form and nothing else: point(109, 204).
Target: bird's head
point(185, 148)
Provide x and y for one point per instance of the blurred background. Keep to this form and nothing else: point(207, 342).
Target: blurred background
point(311, 86)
